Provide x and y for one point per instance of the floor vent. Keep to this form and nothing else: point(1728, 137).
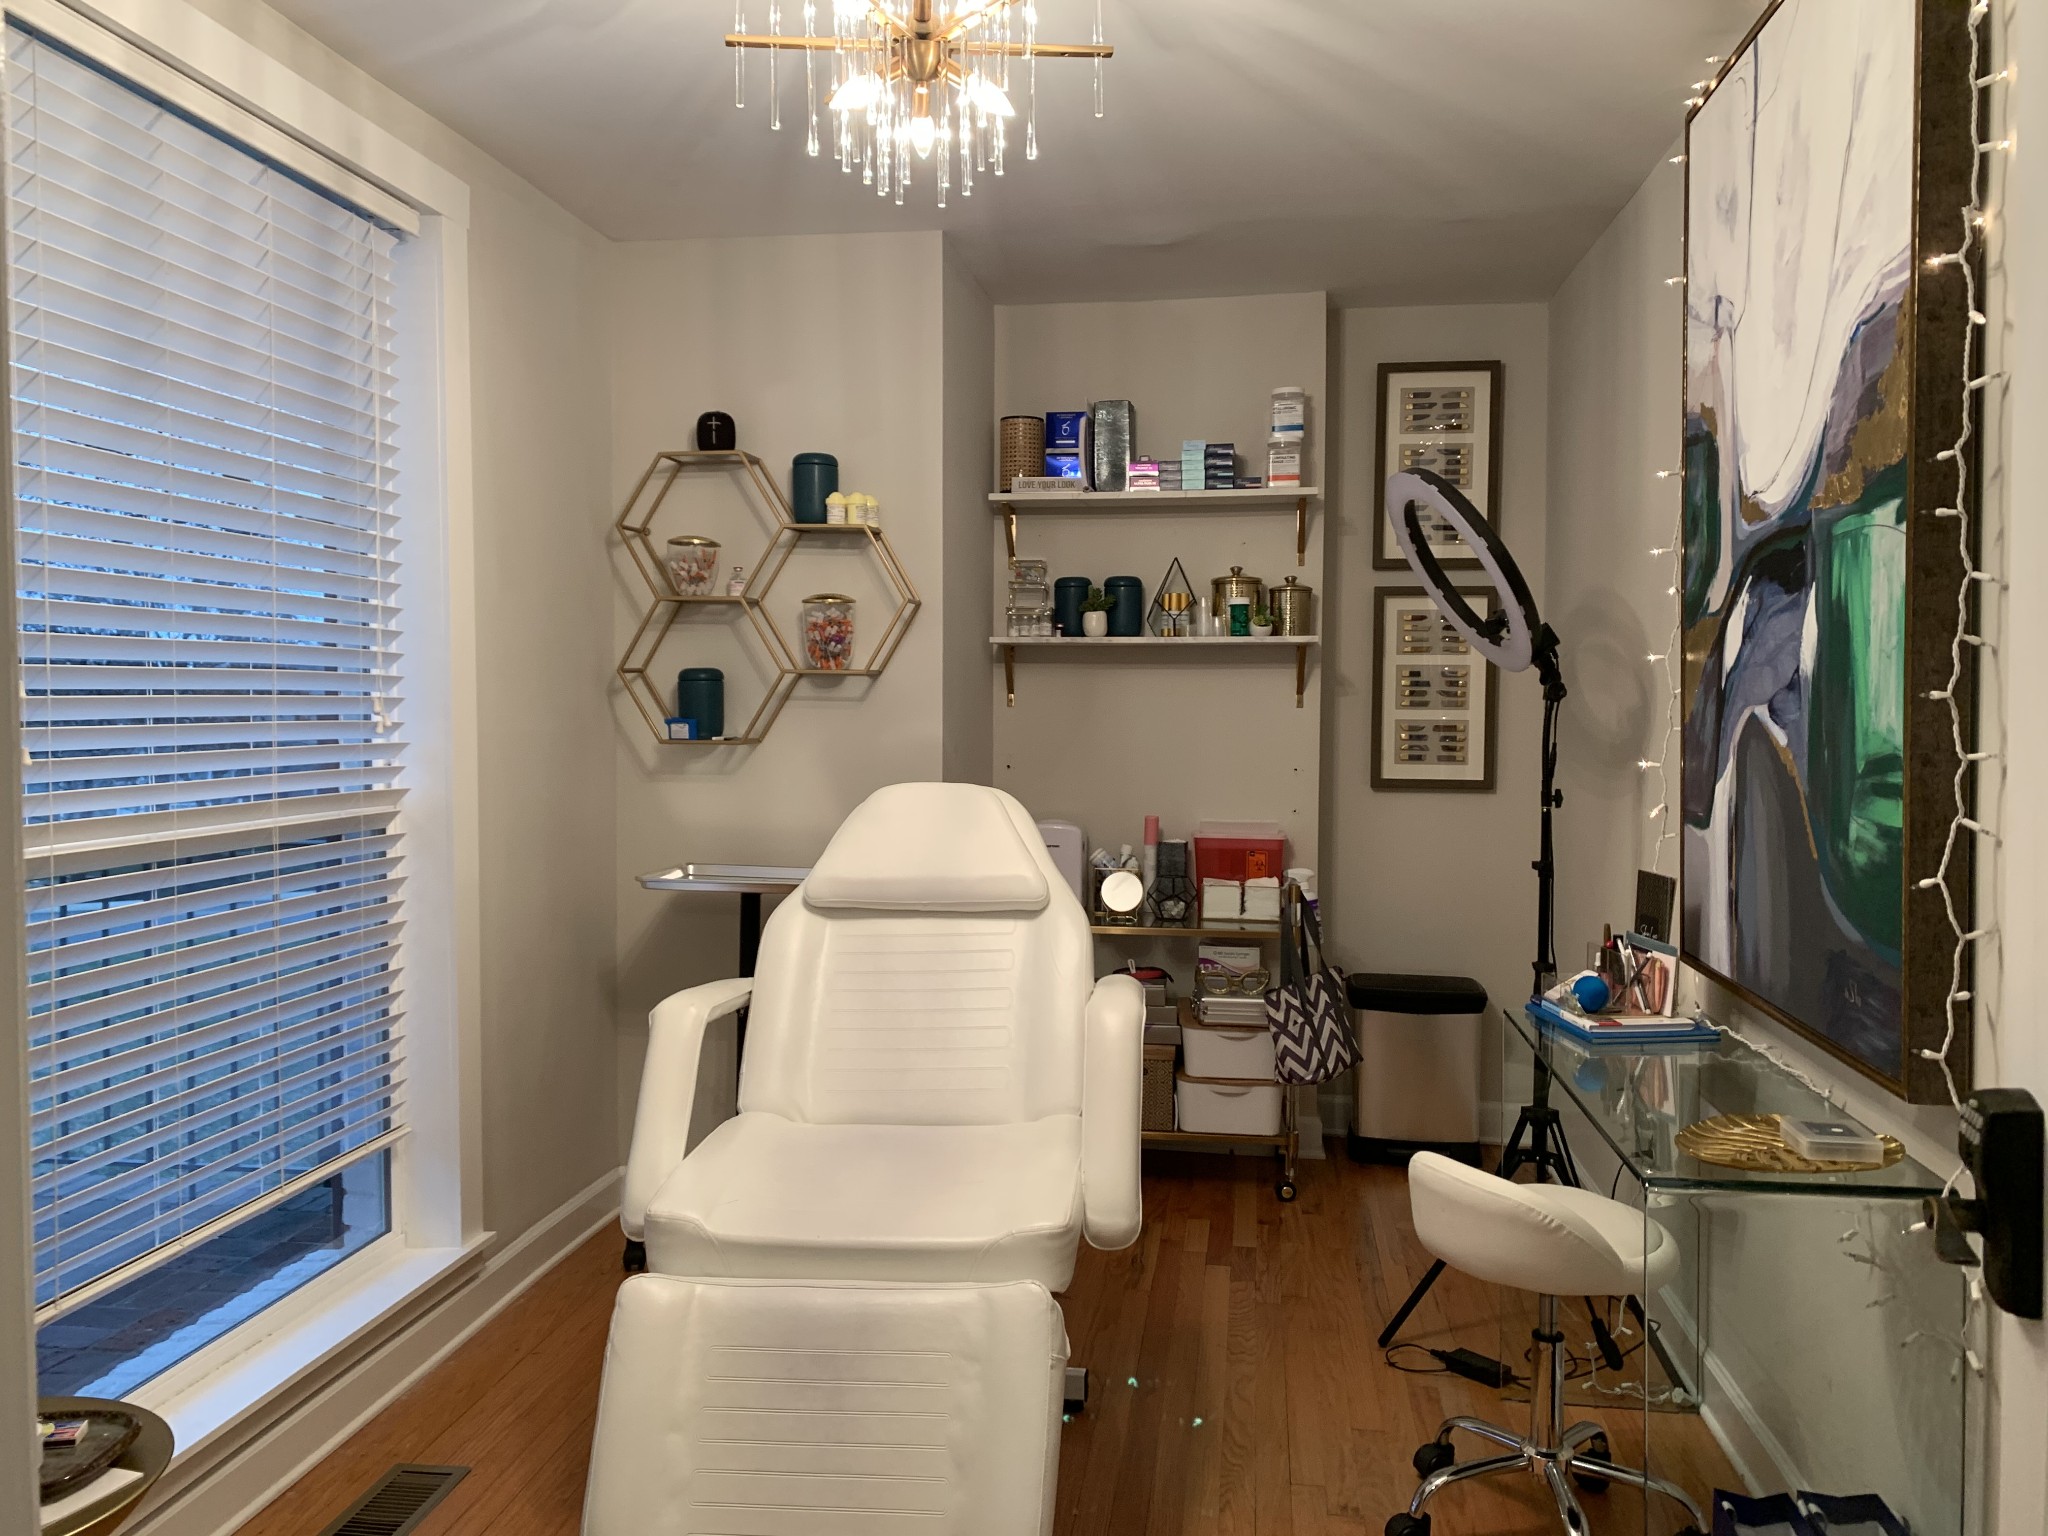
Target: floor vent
point(397, 1501)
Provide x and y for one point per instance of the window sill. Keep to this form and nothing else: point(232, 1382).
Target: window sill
point(242, 1384)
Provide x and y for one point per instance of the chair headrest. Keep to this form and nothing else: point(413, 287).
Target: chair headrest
point(932, 848)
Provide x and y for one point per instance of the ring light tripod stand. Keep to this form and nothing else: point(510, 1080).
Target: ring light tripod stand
point(1514, 638)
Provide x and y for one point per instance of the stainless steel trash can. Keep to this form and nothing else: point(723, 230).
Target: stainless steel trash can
point(1417, 1083)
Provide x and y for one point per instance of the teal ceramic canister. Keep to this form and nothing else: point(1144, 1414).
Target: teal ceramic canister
point(1127, 618)
point(812, 477)
point(700, 696)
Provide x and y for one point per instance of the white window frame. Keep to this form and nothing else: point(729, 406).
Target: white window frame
point(200, 66)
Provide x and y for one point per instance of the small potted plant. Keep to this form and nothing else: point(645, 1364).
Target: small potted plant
point(1262, 623)
point(1095, 609)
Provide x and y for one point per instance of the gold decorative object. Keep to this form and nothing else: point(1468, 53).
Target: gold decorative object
point(903, 79)
point(1754, 1143)
point(634, 524)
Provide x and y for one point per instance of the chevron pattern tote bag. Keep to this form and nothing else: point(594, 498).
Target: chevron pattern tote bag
point(1312, 1038)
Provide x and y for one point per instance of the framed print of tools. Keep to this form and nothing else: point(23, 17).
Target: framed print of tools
point(1433, 707)
point(1443, 417)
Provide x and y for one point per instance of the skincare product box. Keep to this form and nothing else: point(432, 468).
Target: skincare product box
point(680, 730)
point(1290, 409)
point(1219, 467)
point(1064, 466)
point(1231, 960)
point(1066, 432)
point(1831, 1141)
point(1143, 475)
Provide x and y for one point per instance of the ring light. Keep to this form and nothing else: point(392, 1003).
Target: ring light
point(1509, 638)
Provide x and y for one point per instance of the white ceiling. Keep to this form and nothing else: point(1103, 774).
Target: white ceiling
point(1390, 151)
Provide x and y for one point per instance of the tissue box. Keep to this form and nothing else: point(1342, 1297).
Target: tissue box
point(1262, 901)
point(1222, 901)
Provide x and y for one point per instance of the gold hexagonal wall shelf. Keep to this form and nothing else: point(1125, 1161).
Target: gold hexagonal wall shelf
point(666, 605)
point(793, 534)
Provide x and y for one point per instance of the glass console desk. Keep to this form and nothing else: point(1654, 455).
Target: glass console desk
point(1808, 1339)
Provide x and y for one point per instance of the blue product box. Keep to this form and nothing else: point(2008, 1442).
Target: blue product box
point(1063, 432)
point(1063, 466)
point(680, 729)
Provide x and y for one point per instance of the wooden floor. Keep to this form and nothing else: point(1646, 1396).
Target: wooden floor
point(1237, 1384)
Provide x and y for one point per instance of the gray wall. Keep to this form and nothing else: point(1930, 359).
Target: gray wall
point(812, 343)
point(1107, 742)
point(1434, 882)
point(968, 360)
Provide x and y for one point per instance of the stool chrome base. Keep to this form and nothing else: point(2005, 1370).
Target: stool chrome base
point(1556, 1453)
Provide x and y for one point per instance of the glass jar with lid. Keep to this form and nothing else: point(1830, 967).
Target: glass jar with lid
point(827, 620)
point(692, 564)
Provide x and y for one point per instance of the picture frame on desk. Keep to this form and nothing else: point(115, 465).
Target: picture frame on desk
point(1435, 704)
point(1444, 417)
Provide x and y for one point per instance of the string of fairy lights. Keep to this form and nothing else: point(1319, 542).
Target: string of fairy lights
point(1964, 828)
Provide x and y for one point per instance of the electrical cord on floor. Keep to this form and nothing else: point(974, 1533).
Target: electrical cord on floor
point(1434, 1368)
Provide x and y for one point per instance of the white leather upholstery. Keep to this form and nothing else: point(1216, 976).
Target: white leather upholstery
point(933, 848)
point(1548, 1238)
point(767, 1196)
point(795, 1409)
point(866, 1024)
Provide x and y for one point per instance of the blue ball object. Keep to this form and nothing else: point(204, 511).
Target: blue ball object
point(1591, 993)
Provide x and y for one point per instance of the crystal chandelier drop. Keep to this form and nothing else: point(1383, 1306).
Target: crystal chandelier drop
point(914, 82)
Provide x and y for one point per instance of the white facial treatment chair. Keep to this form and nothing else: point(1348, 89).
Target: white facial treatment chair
point(935, 1087)
point(937, 1102)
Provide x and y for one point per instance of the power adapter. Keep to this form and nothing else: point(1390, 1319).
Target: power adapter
point(1469, 1363)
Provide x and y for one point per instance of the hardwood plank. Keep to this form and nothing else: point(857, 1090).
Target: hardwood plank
point(1256, 1319)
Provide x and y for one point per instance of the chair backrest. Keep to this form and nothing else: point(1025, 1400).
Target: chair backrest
point(934, 969)
point(1535, 1237)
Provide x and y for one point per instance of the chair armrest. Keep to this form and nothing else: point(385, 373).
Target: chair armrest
point(1112, 1094)
point(668, 1089)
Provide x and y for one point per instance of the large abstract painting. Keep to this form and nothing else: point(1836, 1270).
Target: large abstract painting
point(1823, 364)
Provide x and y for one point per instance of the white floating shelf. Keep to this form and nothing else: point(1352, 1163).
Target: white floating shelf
point(1007, 646)
point(1139, 501)
point(1175, 642)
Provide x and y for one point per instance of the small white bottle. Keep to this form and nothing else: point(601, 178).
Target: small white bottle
point(736, 584)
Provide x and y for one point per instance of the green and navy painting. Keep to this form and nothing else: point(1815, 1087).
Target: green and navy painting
point(1799, 193)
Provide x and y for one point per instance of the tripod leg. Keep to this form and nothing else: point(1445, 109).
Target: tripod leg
point(1414, 1300)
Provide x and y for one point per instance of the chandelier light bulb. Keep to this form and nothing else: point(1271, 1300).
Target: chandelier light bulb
point(858, 94)
point(922, 80)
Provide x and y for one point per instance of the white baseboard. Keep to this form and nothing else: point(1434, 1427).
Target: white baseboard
point(237, 1482)
point(1759, 1458)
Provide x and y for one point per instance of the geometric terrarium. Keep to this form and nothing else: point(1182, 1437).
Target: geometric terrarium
point(667, 602)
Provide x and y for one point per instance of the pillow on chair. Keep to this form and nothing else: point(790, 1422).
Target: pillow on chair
point(930, 848)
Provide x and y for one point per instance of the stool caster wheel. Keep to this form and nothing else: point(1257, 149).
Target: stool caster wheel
point(1596, 1448)
point(1433, 1457)
point(635, 1260)
point(1286, 1191)
point(1076, 1390)
point(1405, 1524)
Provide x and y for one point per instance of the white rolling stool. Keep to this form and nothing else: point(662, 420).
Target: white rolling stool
point(1557, 1241)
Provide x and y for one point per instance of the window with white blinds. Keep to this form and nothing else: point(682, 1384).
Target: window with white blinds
point(201, 359)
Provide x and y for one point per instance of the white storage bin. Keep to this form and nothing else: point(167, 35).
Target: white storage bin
point(1227, 1108)
point(1243, 1051)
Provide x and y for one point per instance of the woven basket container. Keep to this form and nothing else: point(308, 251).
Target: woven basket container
point(1023, 449)
point(1157, 1111)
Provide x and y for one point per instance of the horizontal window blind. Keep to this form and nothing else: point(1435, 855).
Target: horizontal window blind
point(202, 360)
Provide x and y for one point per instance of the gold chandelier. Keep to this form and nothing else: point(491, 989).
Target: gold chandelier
point(924, 76)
